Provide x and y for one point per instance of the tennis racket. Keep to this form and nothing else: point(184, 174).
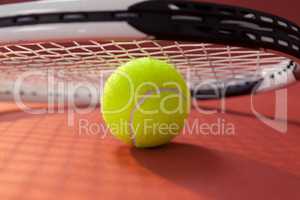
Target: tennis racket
point(61, 51)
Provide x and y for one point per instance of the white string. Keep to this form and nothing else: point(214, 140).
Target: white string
point(85, 60)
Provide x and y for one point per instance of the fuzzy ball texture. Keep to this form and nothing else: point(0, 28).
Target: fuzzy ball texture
point(145, 102)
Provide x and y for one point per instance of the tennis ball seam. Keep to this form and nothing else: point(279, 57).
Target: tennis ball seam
point(141, 102)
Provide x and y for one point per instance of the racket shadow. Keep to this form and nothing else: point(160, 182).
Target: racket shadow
point(249, 115)
point(223, 175)
point(38, 111)
point(14, 115)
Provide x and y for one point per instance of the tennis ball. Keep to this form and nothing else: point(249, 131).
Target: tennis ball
point(145, 102)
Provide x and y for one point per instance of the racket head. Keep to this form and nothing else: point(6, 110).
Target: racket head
point(87, 43)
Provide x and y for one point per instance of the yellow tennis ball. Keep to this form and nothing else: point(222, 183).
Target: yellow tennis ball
point(145, 102)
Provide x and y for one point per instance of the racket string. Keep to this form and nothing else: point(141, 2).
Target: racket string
point(84, 60)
